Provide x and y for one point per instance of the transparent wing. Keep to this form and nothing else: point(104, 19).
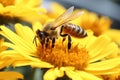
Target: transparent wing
point(75, 15)
point(61, 19)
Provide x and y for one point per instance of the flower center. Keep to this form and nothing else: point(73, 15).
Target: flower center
point(7, 2)
point(59, 56)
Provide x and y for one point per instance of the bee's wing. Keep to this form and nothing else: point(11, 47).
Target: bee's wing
point(61, 19)
point(75, 15)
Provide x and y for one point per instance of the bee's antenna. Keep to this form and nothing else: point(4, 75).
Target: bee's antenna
point(35, 41)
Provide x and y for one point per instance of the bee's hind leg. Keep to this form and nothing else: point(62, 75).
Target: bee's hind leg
point(64, 35)
point(69, 42)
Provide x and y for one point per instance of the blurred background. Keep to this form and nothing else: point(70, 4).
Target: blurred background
point(110, 8)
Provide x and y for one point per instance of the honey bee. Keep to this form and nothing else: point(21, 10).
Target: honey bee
point(52, 30)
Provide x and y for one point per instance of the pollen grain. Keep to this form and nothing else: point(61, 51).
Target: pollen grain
point(59, 56)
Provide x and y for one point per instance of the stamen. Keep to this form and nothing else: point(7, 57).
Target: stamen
point(59, 56)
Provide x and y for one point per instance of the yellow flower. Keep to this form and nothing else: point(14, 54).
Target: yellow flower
point(89, 20)
point(8, 74)
point(84, 61)
point(27, 10)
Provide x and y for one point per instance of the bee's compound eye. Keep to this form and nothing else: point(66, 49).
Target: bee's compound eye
point(41, 34)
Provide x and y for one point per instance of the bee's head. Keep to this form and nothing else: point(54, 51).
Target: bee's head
point(40, 33)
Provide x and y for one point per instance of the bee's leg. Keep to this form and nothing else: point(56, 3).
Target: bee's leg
point(69, 39)
point(53, 42)
point(35, 41)
point(42, 41)
point(64, 38)
point(47, 41)
point(69, 42)
point(64, 35)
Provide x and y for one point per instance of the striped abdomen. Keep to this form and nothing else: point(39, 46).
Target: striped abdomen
point(74, 30)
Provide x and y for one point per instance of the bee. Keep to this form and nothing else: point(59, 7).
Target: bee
point(52, 30)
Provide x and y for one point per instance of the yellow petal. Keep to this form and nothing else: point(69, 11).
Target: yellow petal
point(105, 72)
point(114, 34)
point(104, 65)
point(29, 3)
point(87, 76)
point(17, 40)
point(41, 64)
point(11, 54)
point(10, 75)
point(19, 59)
point(21, 50)
point(25, 32)
point(2, 48)
point(23, 62)
point(96, 45)
point(6, 62)
point(73, 75)
point(53, 73)
point(109, 49)
point(97, 52)
point(33, 15)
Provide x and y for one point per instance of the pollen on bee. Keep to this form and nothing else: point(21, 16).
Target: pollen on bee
point(58, 56)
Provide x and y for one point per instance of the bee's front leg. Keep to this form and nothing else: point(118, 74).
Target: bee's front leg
point(53, 42)
point(42, 41)
point(35, 40)
point(47, 41)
